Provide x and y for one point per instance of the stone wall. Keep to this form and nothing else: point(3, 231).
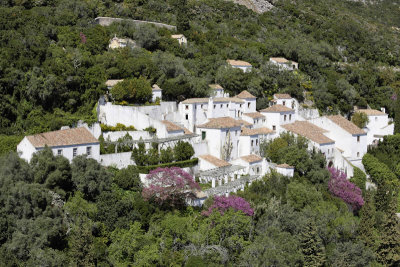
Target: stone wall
point(118, 160)
point(106, 21)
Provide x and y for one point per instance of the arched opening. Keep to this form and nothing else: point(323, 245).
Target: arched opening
point(330, 164)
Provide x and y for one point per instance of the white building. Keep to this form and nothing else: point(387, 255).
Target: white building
point(180, 38)
point(68, 143)
point(217, 90)
point(284, 64)
point(278, 115)
point(255, 118)
point(285, 100)
point(249, 102)
point(157, 93)
point(317, 137)
point(254, 164)
point(239, 64)
point(111, 83)
point(285, 169)
point(222, 137)
point(347, 136)
point(198, 110)
point(378, 125)
point(250, 140)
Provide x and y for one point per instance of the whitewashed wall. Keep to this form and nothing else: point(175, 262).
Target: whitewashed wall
point(119, 160)
point(200, 148)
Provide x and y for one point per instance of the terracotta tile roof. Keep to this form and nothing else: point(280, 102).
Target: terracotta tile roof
point(251, 158)
point(172, 127)
point(215, 161)
point(112, 82)
point(238, 63)
point(215, 86)
point(67, 137)
point(309, 131)
point(215, 99)
point(156, 88)
point(244, 123)
point(285, 166)
point(372, 112)
point(345, 124)
point(276, 108)
point(245, 94)
point(258, 131)
point(254, 115)
point(282, 96)
point(186, 131)
point(177, 36)
point(219, 123)
point(281, 60)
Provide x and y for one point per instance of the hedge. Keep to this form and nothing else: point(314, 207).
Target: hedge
point(378, 171)
point(181, 164)
point(359, 178)
point(9, 143)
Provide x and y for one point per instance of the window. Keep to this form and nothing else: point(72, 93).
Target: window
point(186, 106)
point(284, 103)
point(290, 117)
point(240, 105)
point(293, 105)
point(201, 106)
point(284, 117)
point(203, 135)
point(221, 105)
point(215, 106)
point(258, 170)
point(74, 151)
point(59, 152)
point(226, 105)
point(187, 116)
point(273, 127)
point(263, 120)
point(88, 150)
point(358, 138)
point(376, 118)
point(256, 142)
point(248, 105)
point(252, 142)
point(236, 133)
point(358, 154)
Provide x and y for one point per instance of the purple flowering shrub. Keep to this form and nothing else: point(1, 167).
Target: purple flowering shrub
point(171, 185)
point(222, 204)
point(340, 187)
point(83, 38)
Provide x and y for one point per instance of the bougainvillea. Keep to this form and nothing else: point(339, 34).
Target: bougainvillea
point(169, 185)
point(339, 186)
point(222, 204)
point(83, 38)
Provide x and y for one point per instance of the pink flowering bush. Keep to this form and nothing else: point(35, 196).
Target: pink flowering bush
point(340, 187)
point(169, 185)
point(83, 38)
point(222, 204)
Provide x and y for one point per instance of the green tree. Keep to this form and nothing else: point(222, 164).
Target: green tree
point(128, 179)
point(367, 231)
point(389, 248)
point(135, 90)
point(397, 114)
point(183, 151)
point(182, 16)
point(166, 155)
point(139, 155)
point(359, 178)
point(360, 119)
point(312, 247)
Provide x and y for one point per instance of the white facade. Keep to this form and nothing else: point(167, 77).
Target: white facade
point(157, 93)
point(285, 170)
point(353, 145)
point(25, 149)
point(284, 64)
point(239, 64)
point(182, 40)
point(275, 120)
point(378, 125)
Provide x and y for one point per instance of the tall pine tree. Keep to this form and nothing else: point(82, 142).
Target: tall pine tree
point(389, 249)
point(312, 247)
point(397, 113)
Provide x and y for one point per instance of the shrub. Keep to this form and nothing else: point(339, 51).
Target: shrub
point(118, 127)
point(136, 90)
point(340, 187)
point(183, 151)
point(181, 164)
point(222, 204)
point(359, 178)
point(360, 119)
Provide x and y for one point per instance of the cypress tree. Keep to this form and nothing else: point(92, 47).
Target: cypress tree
point(397, 114)
point(389, 249)
point(311, 246)
point(182, 16)
point(367, 232)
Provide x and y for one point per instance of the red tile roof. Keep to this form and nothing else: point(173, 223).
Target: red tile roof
point(219, 123)
point(309, 131)
point(254, 115)
point(282, 96)
point(251, 158)
point(238, 63)
point(276, 109)
point(172, 127)
point(372, 112)
point(345, 124)
point(215, 161)
point(245, 94)
point(258, 131)
point(67, 137)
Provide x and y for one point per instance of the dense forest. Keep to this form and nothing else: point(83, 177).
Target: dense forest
point(54, 60)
